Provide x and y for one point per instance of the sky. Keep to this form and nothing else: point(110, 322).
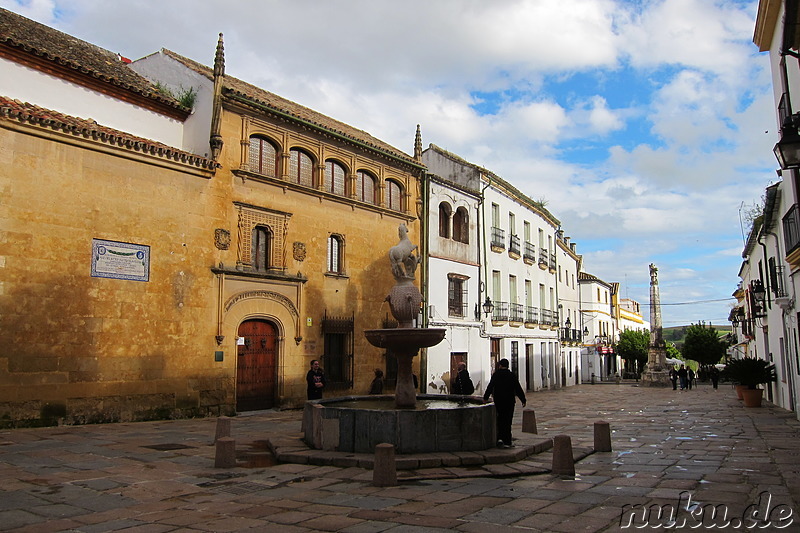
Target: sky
point(646, 126)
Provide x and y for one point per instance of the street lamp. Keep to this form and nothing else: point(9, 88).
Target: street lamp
point(488, 306)
point(568, 324)
point(585, 332)
point(759, 298)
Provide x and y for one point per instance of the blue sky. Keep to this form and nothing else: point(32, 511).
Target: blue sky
point(644, 125)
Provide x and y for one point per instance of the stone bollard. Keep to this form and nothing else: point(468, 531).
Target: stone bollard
point(529, 421)
point(223, 428)
point(602, 437)
point(226, 453)
point(384, 473)
point(563, 461)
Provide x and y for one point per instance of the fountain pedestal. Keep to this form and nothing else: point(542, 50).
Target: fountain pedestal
point(404, 344)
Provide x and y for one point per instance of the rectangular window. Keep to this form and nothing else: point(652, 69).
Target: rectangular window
point(496, 291)
point(337, 360)
point(456, 296)
point(515, 357)
point(495, 216)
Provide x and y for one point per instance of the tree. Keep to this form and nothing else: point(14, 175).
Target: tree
point(633, 346)
point(703, 345)
point(673, 352)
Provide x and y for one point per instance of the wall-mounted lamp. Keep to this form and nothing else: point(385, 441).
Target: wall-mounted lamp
point(787, 150)
point(488, 306)
point(759, 298)
point(568, 324)
point(585, 332)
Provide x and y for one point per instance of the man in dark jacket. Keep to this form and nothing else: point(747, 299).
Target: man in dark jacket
point(503, 387)
point(463, 383)
point(315, 380)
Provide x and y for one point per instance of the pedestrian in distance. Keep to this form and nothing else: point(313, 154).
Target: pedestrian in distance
point(376, 387)
point(683, 375)
point(504, 388)
point(691, 377)
point(463, 383)
point(315, 379)
point(673, 377)
point(714, 377)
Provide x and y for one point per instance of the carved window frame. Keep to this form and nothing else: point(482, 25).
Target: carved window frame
point(276, 222)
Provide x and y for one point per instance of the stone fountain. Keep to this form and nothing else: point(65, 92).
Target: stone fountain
point(413, 424)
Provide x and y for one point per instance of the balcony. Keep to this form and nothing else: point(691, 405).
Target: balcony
point(500, 312)
point(529, 254)
point(543, 258)
point(791, 235)
point(513, 246)
point(553, 263)
point(517, 313)
point(498, 242)
point(531, 315)
point(546, 317)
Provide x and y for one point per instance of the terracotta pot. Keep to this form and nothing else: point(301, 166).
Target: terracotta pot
point(752, 397)
point(739, 389)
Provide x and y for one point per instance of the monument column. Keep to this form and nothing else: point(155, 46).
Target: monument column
point(656, 373)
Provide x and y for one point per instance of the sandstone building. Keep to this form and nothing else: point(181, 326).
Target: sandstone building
point(180, 258)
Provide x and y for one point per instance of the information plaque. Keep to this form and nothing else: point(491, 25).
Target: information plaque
point(120, 260)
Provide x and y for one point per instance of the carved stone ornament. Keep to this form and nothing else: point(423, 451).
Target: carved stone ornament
point(222, 238)
point(299, 251)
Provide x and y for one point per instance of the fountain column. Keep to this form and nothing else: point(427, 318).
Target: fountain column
point(656, 374)
point(404, 300)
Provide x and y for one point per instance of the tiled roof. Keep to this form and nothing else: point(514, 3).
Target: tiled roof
point(88, 129)
point(88, 60)
point(238, 87)
point(537, 205)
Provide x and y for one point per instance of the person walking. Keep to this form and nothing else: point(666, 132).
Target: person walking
point(315, 379)
point(684, 377)
point(714, 377)
point(673, 377)
point(376, 387)
point(503, 387)
point(691, 377)
point(463, 383)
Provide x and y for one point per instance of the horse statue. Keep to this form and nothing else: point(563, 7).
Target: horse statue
point(404, 261)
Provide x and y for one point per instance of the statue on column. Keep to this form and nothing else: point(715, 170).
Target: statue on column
point(656, 374)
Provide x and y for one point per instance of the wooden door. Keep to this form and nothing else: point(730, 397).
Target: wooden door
point(256, 366)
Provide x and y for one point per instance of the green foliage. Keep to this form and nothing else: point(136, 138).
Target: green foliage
point(673, 352)
point(186, 97)
point(750, 372)
point(703, 345)
point(633, 345)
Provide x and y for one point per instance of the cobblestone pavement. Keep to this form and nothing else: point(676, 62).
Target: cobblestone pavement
point(681, 453)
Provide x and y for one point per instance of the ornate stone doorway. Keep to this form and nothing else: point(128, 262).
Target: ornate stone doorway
point(256, 365)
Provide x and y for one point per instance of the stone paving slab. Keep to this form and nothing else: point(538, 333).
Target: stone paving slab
point(159, 476)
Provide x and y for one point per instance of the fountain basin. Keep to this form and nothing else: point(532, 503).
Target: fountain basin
point(438, 423)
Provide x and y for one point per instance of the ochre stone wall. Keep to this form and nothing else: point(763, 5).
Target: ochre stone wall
point(89, 349)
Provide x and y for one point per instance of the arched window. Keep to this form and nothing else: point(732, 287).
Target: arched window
point(301, 168)
point(335, 254)
point(261, 248)
point(262, 157)
point(335, 178)
point(461, 225)
point(394, 196)
point(365, 187)
point(444, 220)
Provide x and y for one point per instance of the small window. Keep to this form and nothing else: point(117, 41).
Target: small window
point(301, 168)
point(365, 187)
point(335, 178)
point(262, 159)
point(461, 225)
point(394, 197)
point(444, 220)
point(261, 248)
point(335, 254)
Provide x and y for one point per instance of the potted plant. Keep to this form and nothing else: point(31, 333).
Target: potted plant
point(748, 373)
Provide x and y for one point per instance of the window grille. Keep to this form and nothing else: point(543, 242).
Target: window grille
point(365, 187)
point(262, 157)
point(338, 357)
point(336, 176)
point(301, 168)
